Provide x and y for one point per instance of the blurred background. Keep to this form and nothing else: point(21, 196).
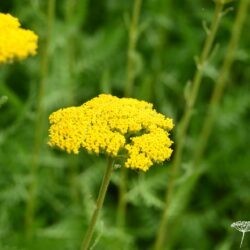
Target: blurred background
point(47, 196)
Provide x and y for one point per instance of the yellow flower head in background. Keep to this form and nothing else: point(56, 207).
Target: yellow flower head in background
point(112, 125)
point(15, 42)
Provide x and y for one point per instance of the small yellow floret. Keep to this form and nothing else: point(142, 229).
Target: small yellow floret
point(110, 125)
point(15, 42)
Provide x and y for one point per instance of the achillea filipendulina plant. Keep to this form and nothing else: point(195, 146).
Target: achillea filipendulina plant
point(118, 127)
point(15, 42)
point(111, 125)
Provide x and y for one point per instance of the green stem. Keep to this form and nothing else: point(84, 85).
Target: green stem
point(102, 192)
point(133, 36)
point(202, 62)
point(184, 192)
point(31, 202)
point(221, 82)
point(190, 183)
point(184, 123)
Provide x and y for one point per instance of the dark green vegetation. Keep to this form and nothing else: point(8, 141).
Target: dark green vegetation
point(47, 196)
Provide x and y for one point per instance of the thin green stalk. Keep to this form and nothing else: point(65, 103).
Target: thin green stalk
point(31, 202)
point(184, 192)
point(133, 36)
point(181, 133)
point(221, 82)
point(102, 192)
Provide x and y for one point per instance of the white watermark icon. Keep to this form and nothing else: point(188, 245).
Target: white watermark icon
point(242, 226)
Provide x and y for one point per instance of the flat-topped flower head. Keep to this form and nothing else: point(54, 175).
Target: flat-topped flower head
point(15, 42)
point(114, 126)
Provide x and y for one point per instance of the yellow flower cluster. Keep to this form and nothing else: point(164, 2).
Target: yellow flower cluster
point(15, 42)
point(112, 125)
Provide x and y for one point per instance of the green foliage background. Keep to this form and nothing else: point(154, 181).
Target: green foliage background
point(86, 54)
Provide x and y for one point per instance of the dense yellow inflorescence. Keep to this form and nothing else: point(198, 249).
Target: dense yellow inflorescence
point(112, 125)
point(15, 42)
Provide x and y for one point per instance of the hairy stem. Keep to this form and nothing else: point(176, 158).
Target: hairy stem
point(31, 202)
point(102, 192)
point(181, 133)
